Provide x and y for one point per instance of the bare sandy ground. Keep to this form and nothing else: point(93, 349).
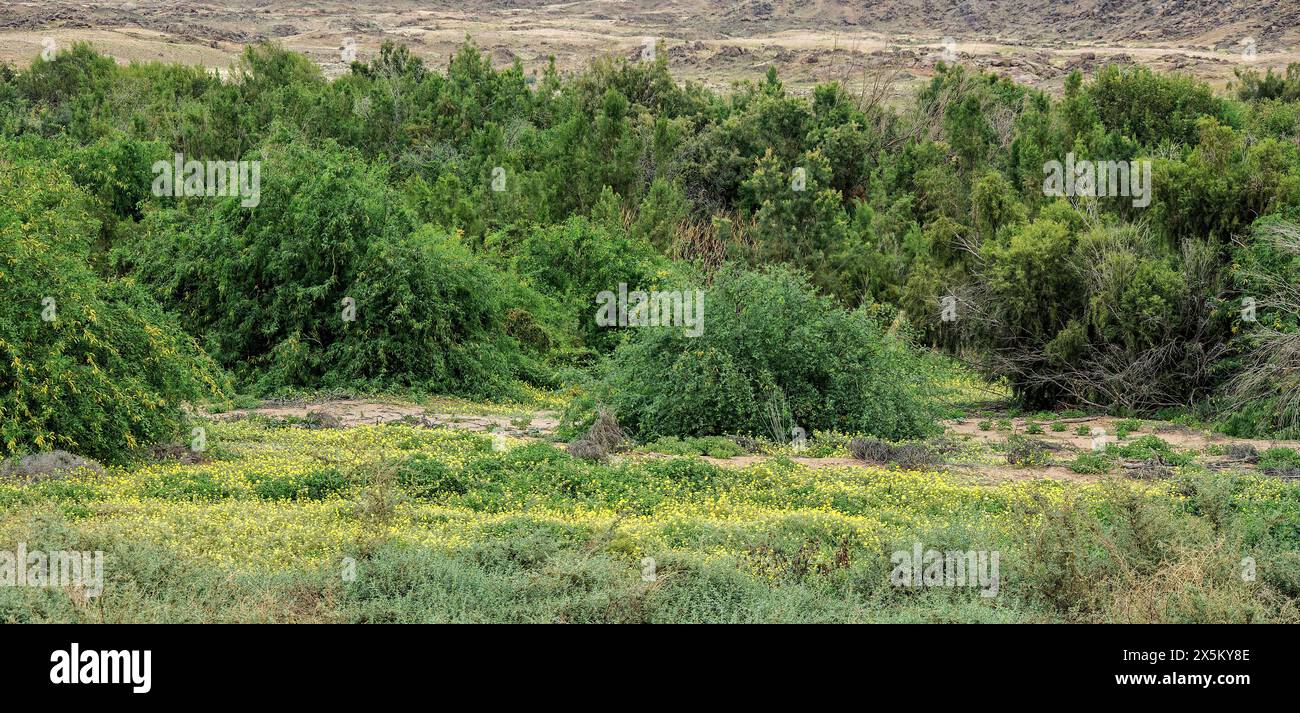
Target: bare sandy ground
point(344, 413)
point(1178, 436)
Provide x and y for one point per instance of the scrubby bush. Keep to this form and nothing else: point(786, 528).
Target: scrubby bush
point(1150, 448)
point(90, 365)
point(576, 260)
point(911, 456)
point(1109, 316)
point(773, 355)
point(1263, 397)
point(1090, 463)
point(1027, 451)
point(426, 477)
point(712, 446)
point(328, 282)
point(1150, 107)
point(603, 437)
point(1281, 462)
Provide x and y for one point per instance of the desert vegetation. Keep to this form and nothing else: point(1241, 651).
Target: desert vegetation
point(773, 337)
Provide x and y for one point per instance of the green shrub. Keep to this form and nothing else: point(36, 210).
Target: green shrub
point(1280, 461)
point(574, 261)
point(713, 446)
point(1126, 426)
point(90, 365)
point(426, 477)
point(186, 485)
point(773, 355)
point(1150, 447)
point(1152, 107)
point(1090, 463)
point(312, 485)
point(1027, 452)
point(328, 283)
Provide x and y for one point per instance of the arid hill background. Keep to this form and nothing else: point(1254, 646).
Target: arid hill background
point(709, 41)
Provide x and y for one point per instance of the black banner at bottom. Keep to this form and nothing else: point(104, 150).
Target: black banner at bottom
point(334, 664)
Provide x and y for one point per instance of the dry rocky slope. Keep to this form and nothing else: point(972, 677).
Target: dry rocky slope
point(711, 41)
